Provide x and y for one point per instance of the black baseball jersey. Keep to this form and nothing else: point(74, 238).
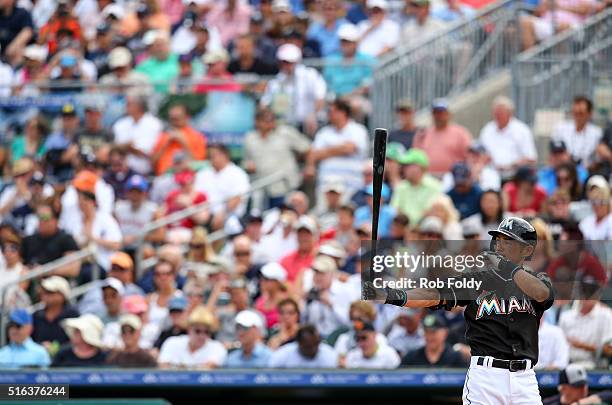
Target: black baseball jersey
point(501, 321)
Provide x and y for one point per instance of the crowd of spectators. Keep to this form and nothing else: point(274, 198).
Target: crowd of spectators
point(281, 288)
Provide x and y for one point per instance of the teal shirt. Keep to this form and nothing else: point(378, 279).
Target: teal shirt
point(343, 77)
point(413, 201)
point(18, 148)
point(160, 73)
point(28, 354)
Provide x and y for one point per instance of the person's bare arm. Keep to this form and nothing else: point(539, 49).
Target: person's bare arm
point(68, 270)
point(344, 149)
point(18, 44)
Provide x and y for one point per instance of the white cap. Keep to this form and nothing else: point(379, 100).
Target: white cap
point(334, 185)
point(113, 9)
point(119, 57)
point(36, 52)
point(348, 32)
point(214, 56)
point(382, 4)
point(306, 222)
point(130, 320)
point(432, 225)
point(56, 284)
point(274, 271)
point(249, 319)
point(115, 284)
point(281, 5)
point(289, 53)
point(90, 327)
point(598, 181)
point(333, 249)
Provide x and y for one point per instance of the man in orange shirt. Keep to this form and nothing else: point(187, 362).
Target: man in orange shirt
point(180, 138)
point(444, 143)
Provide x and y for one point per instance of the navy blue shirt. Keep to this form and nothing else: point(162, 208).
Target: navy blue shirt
point(449, 358)
point(12, 24)
point(50, 331)
point(466, 203)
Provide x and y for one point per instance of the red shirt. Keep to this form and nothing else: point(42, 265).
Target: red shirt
point(588, 265)
point(228, 84)
point(173, 206)
point(295, 263)
point(511, 190)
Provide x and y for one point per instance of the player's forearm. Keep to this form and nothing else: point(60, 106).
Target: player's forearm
point(416, 298)
point(532, 286)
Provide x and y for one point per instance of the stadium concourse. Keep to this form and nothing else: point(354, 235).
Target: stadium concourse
point(182, 190)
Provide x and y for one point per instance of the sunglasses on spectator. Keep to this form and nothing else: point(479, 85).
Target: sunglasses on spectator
point(197, 245)
point(120, 269)
point(127, 330)
point(162, 273)
point(361, 338)
point(242, 253)
point(9, 247)
point(200, 331)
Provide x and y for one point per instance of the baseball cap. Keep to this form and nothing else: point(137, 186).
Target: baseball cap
point(202, 316)
point(22, 166)
point(381, 4)
point(557, 146)
point(68, 61)
point(119, 57)
point(306, 222)
point(56, 284)
point(289, 53)
point(471, 228)
point(333, 186)
point(249, 319)
point(439, 104)
point(274, 271)
point(115, 284)
point(385, 192)
point(134, 304)
point(20, 316)
point(36, 52)
point(434, 322)
point(281, 6)
point(85, 181)
point(177, 304)
point(257, 18)
point(348, 32)
point(431, 225)
point(130, 320)
point(395, 150)
point(214, 56)
point(324, 264)
point(461, 172)
point(137, 182)
point(68, 109)
point(113, 10)
point(574, 375)
point(363, 325)
point(477, 147)
point(153, 35)
point(525, 173)
point(122, 260)
point(598, 181)
point(414, 156)
point(404, 105)
point(333, 249)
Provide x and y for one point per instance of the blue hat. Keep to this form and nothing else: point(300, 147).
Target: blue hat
point(461, 172)
point(137, 182)
point(439, 104)
point(21, 317)
point(68, 61)
point(177, 304)
point(385, 191)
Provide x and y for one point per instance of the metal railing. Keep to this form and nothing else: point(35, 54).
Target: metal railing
point(572, 63)
point(447, 64)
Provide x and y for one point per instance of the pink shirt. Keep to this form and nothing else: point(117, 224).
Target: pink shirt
point(230, 26)
point(567, 17)
point(444, 148)
point(174, 9)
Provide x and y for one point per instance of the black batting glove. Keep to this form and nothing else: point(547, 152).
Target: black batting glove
point(504, 265)
point(396, 297)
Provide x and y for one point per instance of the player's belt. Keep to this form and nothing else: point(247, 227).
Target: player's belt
point(512, 365)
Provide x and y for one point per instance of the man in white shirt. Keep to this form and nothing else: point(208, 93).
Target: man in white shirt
point(138, 132)
point(224, 184)
point(136, 210)
point(370, 353)
point(588, 327)
point(423, 25)
point(508, 141)
point(307, 352)
point(407, 334)
point(554, 350)
point(580, 136)
point(378, 33)
point(340, 149)
point(297, 93)
point(196, 349)
point(329, 300)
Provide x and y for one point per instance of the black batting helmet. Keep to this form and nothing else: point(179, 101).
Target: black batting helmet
point(517, 229)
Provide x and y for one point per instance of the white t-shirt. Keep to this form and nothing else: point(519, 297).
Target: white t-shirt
point(348, 167)
point(105, 200)
point(111, 336)
point(403, 342)
point(219, 186)
point(581, 145)
point(346, 342)
point(175, 351)
point(104, 227)
point(510, 144)
point(132, 221)
point(288, 356)
point(593, 230)
point(277, 246)
point(10, 275)
point(329, 318)
point(594, 328)
point(6, 80)
point(387, 34)
point(554, 349)
point(143, 134)
point(385, 357)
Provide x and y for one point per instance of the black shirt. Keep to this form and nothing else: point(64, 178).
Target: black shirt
point(38, 249)
point(501, 321)
point(11, 25)
point(66, 358)
point(449, 358)
point(139, 359)
point(45, 331)
point(258, 67)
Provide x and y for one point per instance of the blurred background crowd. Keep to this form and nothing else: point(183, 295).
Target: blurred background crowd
point(259, 265)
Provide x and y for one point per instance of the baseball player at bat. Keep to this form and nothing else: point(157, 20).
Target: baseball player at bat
point(502, 317)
